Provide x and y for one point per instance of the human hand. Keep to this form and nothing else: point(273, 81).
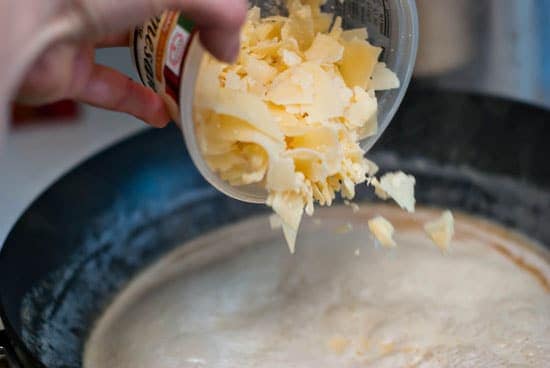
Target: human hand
point(64, 66)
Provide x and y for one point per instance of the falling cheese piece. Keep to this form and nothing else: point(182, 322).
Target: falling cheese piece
point(398, 186)
point(383, 231)
point(441, 230)
point(372, 168)
point(289, 114)
point(290, 207)
point(275, 221)
point(380, 193)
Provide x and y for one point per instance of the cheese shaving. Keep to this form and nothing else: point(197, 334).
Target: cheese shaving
point(289, 114)
point(398, 186)
point(383, 231)
point(382, 78)
point(275, 221)
point(441, 230)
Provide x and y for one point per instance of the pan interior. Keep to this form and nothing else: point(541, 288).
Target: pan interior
point(236, 298)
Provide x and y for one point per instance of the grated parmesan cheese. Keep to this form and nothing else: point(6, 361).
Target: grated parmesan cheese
point(383, 231)
point(441, 230)
point(289, 114)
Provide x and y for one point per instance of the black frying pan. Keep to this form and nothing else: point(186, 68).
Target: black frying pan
point(91, 231)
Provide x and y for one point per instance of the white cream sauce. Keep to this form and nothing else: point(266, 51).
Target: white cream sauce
point(236, 298)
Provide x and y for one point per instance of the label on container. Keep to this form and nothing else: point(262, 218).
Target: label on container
point(159, 48)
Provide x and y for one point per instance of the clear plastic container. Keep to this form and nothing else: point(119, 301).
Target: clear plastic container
point(391, 24)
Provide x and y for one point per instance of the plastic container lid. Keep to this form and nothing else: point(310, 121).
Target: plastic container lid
point(391, 24)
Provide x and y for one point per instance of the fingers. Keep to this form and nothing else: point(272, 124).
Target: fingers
point(120, 40)
point(219, 43)
point(55, 72)
point(67, 71)
point(221, 14)
point(109, 89)
point(219, 20)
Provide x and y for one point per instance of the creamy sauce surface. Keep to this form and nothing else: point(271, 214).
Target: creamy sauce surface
point(237, 298)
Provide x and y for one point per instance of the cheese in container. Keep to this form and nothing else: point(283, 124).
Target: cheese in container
point(168, 56)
